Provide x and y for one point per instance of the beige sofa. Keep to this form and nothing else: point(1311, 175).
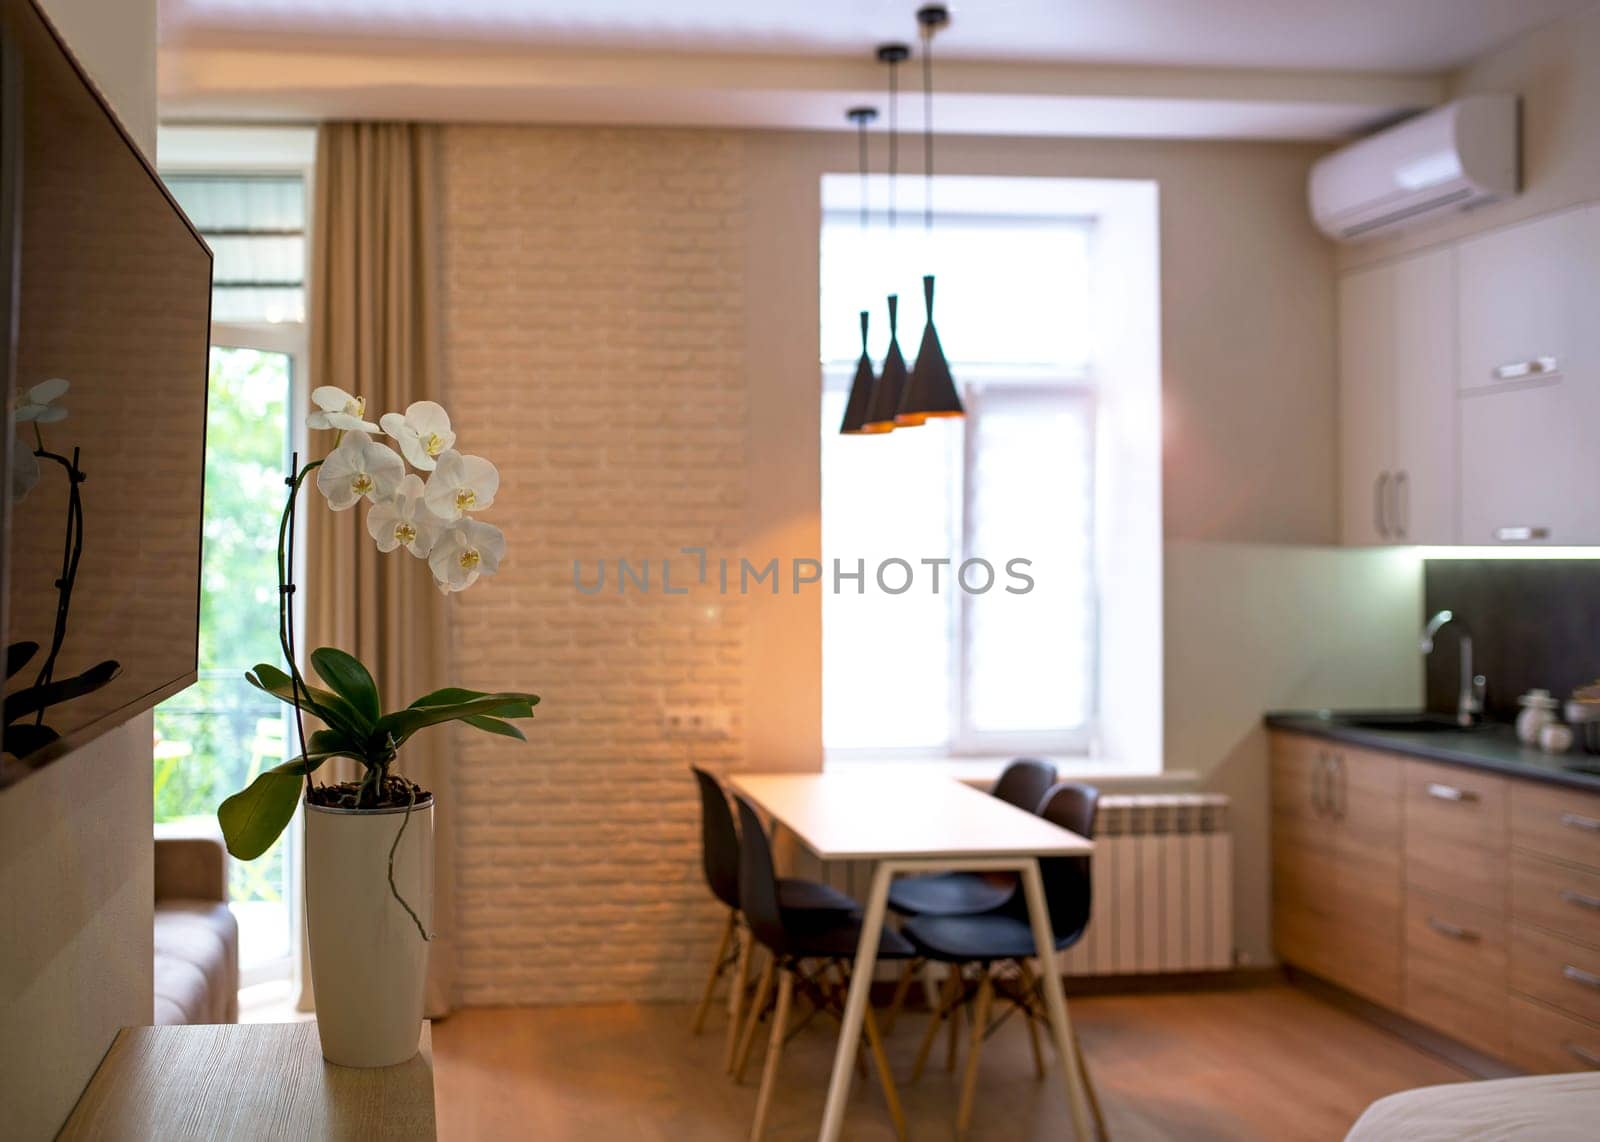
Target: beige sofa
point(197, 938)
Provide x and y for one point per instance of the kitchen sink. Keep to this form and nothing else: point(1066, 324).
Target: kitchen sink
point(1404, 722)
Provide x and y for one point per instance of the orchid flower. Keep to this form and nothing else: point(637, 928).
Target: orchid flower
point(423, 432)
point(405, 520)
point(24, 470)
point(460, 485)
point(37, 404)
point(466, 551)
point(359, 468)
point(338, 409)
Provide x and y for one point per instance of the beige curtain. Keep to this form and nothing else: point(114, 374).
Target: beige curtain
point(374, 332)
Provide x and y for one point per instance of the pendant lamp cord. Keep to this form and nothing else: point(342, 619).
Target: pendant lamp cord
point(927, 126)
point(894, 134)
point(861, 135)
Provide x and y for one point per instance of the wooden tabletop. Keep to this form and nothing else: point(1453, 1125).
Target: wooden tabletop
point(248, 1081)
point(852, 816)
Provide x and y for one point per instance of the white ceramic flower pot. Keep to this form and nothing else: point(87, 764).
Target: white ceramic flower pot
point(369, 963)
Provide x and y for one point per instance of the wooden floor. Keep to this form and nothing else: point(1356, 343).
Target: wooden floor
point(1267, 1062)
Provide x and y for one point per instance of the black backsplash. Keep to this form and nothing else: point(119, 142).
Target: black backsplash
point(1534, 623)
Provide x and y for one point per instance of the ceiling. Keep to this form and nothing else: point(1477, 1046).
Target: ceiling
point(1234, 69)
point(1340, 35)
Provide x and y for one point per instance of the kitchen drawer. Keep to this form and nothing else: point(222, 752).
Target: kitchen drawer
point(1555, 822)
point(1563, 898)
point(1455, 832)
point(1543, 1040)
point(1455, 969)
point(1559, 972)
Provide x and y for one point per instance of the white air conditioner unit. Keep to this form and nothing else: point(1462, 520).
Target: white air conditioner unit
point(1459, 155)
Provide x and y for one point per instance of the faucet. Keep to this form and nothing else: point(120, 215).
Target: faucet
point(1469, 700)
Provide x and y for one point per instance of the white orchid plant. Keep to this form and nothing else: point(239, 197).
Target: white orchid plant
point(430, 513)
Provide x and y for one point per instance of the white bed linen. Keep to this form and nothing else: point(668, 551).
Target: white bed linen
point(1550, 1108)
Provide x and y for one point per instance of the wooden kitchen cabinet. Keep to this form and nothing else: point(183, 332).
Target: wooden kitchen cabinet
point(1337, 898)
point(1397, 401)
point(1467, 900)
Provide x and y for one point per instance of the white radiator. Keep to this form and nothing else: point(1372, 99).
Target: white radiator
point(1163, 887)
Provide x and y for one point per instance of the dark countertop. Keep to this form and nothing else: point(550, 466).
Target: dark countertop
point(1491, 746)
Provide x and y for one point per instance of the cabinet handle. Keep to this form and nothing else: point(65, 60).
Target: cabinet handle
point(1579, 821)
point(1520, 370)
point(1581, 899)
point(1450, 792)
point(1317, 805)
point(1336, 772)
point(1454, 931)
point(1578, 975)
point(1521, 534)
point(1380, 505)
point(1401, 495)
point(1579, 1051)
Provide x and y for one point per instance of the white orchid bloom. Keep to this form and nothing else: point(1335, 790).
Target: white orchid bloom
point(338, 409)
point(359, 468)
point(24, 470)
point(37, 404)
point(469, 549)
point(423, 432)
point(405, 520)
point(461, 485)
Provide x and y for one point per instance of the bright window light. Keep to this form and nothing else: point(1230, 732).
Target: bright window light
point(959, 671)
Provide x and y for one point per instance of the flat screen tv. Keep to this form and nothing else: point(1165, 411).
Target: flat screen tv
point(106, 291)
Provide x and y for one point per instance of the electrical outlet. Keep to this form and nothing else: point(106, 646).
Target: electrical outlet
point(696, 721)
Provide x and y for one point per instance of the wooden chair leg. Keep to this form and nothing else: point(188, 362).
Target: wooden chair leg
point(958, 992)
point(1088, 1087)
point(736, 997)
point(763, 993)
point(885, 1075)
point(907, 978)
point(718, 965)
point(980, 1025)
point(769, 1072)
point(1027, 1017)
point(945, 1009)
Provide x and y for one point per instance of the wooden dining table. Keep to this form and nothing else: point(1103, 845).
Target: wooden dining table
point(906, 823)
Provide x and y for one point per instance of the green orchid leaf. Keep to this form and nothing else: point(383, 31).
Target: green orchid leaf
point(300, 766)
point(403, 723)
point(21, 703)
point(253, 818)
point(18, 655)
point(345, 675)
point(333, 742)
point(323, 704)
point(494, 726)
point(448, 695)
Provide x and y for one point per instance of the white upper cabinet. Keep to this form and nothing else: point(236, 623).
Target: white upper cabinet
point(1529, 377)
point(1397, 401)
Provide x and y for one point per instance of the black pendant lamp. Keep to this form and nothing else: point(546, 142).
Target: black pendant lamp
point(855, 410)
point(930, 391)
point(884, 406)
point(891, 386)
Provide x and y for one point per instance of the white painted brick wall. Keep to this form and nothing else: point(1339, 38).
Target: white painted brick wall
point(594, 347)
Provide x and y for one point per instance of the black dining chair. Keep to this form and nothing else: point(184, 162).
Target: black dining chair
point(797, 938)
point(999, 944)
point(719, 857)
point(1023, 783)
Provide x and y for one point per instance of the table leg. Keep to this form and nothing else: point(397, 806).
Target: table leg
point(855, 1006)
point(1055, 999)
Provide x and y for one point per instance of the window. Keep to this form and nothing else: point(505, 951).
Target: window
point(989, 663)
point(219, 734)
